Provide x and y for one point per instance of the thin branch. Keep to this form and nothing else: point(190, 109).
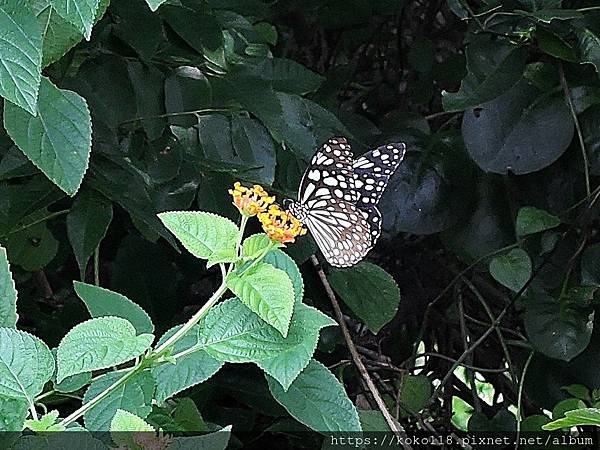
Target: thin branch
point(394, 426)
point(520, 399)
point(569, 99)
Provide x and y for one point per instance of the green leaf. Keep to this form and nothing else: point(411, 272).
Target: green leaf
point(154, 4)
point(97, 344)
point(428, 190)
point(87, 224)
point(191, 369)
point(201, 233)
point(281, 260)
point(255, 148)
point(493, 66)
point(26, 364)
point(80, 13)
point(579, 391)
point(8, 294)
point(228, 255)
point(589, 48)
point(58, 140)
point(267, 291)
point(232, 333)
point(212, 441)
point(126, 421)
point(285, 75)
point(559, 329)
point(318, 400)
point(512, 269)
point(565, 405)
point(73, 383)
point(415, 392)
point(575, 418)
point(21, 55)
point(369, 291)
point(522, 131)
point(101, 302)
point(13, 412)
point(34, 247)
point(254, 245)
point(45, 423)
point(135, 396)
point(531, 220)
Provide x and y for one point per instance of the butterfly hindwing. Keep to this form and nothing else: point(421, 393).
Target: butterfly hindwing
point(341, 231)
point(329, 173)
point(373, 170)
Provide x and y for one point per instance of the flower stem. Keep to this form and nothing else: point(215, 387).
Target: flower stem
point(192, 322)
point(93, 402)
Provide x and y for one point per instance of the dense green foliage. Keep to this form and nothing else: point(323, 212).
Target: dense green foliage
point(114, 113)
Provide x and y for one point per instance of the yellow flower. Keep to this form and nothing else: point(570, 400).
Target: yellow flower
point(281, 225)
point(250, 201)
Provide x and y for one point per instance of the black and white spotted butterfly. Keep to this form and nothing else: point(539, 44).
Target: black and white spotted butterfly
point(338, 197)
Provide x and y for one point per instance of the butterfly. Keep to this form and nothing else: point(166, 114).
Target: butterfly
point(338, 198)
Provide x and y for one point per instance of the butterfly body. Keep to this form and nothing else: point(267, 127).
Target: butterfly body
point(338, 197)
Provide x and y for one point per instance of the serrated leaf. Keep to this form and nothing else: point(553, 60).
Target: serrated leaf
point(26, 364)
point(102, 302)
point(58, 140)
point(532, 220)
point(318, 400)
point(281, 260)
point(58, 35)
point(80, 13)
point(232, 333)
point(191, 369)
point(135, 396)
point(227, 255)
point(212, 441)
point(21, 55)
point(13, 412)
point(97, 344)
point(512, 269)
point(253, 246)
point(8, 294)
point(268, 292)
point(369, 291)
point(45, 423)
point(201, 233)
point(87, 223)
point(154, 4)
point(126, 421)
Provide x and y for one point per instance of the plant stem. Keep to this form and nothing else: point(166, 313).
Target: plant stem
point(35, 222)
point(192, 322)
point(97, 266)
point(584, 155)
point(520, 398)
point(93, 402)
point(34, 415)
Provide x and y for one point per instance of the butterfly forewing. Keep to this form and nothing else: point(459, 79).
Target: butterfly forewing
point(373, 170)
point(329, 174)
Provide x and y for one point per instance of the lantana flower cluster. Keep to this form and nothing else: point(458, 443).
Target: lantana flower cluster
point(280, 225)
